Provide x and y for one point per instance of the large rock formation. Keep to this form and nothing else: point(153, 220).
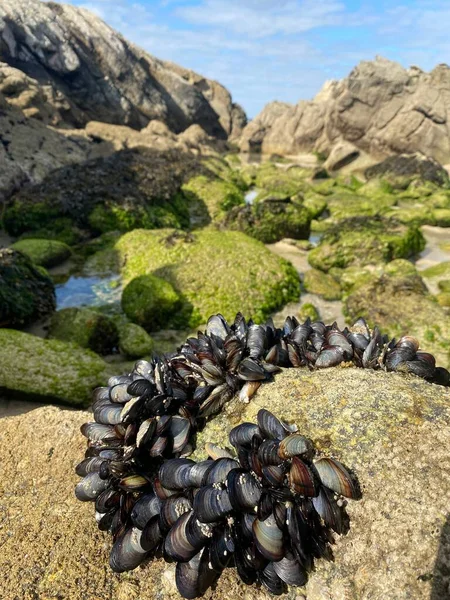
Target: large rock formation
point(392, 429)
point(95, 74)
point(380, 109)
point(29, 149)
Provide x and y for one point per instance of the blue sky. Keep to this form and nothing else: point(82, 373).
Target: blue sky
point(264, 50)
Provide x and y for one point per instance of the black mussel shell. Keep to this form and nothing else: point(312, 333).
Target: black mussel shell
point(127, 552)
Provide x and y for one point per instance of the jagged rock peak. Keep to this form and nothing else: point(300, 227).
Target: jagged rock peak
point(380, 108)
point(101, 76)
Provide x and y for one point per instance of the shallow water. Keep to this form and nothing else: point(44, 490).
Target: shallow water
point(88, 291)
point(251, 195)
point(433, 253)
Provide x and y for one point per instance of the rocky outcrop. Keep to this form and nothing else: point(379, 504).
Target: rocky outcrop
point(131, 188)
point(404, 169)
point(95, 74)
point(29, 149)
point(380, 108)
point(391, 429)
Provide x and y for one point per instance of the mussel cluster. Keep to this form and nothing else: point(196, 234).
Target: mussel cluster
point(149, 416)
point(268, 509)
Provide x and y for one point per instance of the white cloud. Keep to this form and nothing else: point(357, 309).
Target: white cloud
point(264, 18)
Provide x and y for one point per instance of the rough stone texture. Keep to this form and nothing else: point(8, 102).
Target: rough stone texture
point(381, 108)
point(102, 77)
point(409, 167)
point(42, 102)
point(130, 188)
point(392, 429)
point(29, 149)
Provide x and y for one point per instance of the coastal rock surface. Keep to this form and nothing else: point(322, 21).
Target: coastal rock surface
point(380, 109)
point(100, 76)
point(393, 430)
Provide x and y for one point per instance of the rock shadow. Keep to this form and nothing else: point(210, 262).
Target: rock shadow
point(440, 584)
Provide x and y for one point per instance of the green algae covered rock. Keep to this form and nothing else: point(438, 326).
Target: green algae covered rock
point(150, 302)
point(281, 182)
point(271, 220)
point(308, 310)
point(86, 328)
point(444, 285)
point(322, 284)
point(347, 204)
point(443, 299)
point(210, 199)
point(213, 271)
point(414, 215)
point(315, 203)
point(134, 341)
point(48, 370)
point(402, 169)
point(26, 291)
point(46, 253)
point(397, 300)
point(361, 241)
point(442, 217)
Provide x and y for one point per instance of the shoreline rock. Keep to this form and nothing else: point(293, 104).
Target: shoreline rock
point(392, 429)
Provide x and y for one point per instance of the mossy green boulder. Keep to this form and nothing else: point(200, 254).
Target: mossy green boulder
point(271, 220)
point(47, 253)
point(443, 299)
point(322, 284)
point(347, 204)
point(213, 271)
point(48, 370)
point(397, 300)
point(444, 285)
point(26, 291)
point(362, 241)
point(86, 328)
point(210, 198)
point(442, 217)
point(151, 302)
point(280, 181)
point(308, 311)
point(134, 341)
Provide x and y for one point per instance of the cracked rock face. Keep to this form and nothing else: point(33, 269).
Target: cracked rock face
point(379, 109)
point(100, 76)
